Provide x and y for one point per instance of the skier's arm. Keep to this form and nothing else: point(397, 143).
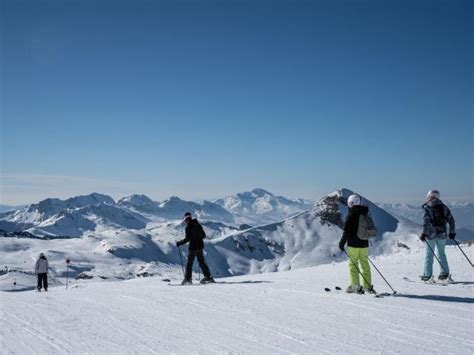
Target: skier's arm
point(426, 222)
point(36, 266)
point(47, 266)
point(450, 220)
point(186, 239)
point(345, 232)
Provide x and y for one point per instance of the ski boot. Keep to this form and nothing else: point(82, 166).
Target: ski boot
point(427, 279)
point(370, 290)
point(445, 278)
point(207, 280)
point(355, 289)
point(187, 282)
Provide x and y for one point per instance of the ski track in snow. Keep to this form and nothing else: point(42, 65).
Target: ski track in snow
point(277, 313)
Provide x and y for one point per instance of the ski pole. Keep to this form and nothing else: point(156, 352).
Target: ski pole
point(439, 261)
point(360, 273)
point(375, 267)
point(181, 259)
point(462, 251)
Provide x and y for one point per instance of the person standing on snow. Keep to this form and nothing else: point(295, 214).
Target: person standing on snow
point(194, 234)
point(436, 216)
point(41, 270)
point(358, 249)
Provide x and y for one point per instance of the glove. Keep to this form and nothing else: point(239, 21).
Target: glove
point(178, 244)
point(341, 246)
point(423, 237)
point(452, 235)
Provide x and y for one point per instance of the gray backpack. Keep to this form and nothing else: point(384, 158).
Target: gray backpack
point(366, 228)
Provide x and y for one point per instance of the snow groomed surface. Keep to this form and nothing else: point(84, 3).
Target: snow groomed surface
point(283, 312)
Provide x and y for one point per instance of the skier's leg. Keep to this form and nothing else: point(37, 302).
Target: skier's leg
point(428, 271)
point(202, 264)
point(39, 281)
point(45, 282)
point(353, 273)
point(365, 267)
point(189, 265)
point(441, 245)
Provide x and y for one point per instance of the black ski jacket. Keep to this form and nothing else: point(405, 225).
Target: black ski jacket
point(351, 225)
point(194, 235)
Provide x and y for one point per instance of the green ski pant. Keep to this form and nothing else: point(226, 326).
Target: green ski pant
point(358, 258)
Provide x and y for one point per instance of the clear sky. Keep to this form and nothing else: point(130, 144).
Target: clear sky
point(202, 99)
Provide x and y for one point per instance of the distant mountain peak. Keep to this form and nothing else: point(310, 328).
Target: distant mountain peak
point(259, 206)
point(261, 192)
point(173, 200)
point(136, 199)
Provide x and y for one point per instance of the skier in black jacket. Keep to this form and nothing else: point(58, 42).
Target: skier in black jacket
point(194, 235)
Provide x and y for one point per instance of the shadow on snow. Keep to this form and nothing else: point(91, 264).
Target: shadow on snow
point(439, 298)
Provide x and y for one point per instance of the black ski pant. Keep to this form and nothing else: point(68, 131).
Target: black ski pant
point(202, 264)
point(43, 281)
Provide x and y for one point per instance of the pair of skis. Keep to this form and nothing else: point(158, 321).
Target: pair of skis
point(376, 295)
point(432, 281)
point(192, 284)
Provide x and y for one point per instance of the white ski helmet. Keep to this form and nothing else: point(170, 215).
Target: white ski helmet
point(432, 194)
point(354, 200)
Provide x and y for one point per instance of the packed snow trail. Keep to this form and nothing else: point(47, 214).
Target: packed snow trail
point(278, 313)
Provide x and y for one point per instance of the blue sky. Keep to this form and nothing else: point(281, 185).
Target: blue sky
point(206, 98)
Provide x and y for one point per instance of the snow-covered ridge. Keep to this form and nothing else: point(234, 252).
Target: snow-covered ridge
point(308, 239)
point(79, 215)
point(119, 241)
point(261, 207)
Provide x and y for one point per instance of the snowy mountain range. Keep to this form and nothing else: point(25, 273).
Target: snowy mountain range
point(136, 236)
point(259, 206)
point(79, 215)
point(174, 208)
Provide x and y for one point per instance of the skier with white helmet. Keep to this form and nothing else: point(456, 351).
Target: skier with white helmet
point(41, 270)
point(358, 249)
point(435, 219)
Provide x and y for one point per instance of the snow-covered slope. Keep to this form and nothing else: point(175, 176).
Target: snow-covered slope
point(259, 207)
point(277, 313)
point(31, 215)
point(308, 239)
point(77, 222)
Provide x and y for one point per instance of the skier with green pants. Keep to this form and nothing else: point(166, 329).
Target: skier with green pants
point(358, 249)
